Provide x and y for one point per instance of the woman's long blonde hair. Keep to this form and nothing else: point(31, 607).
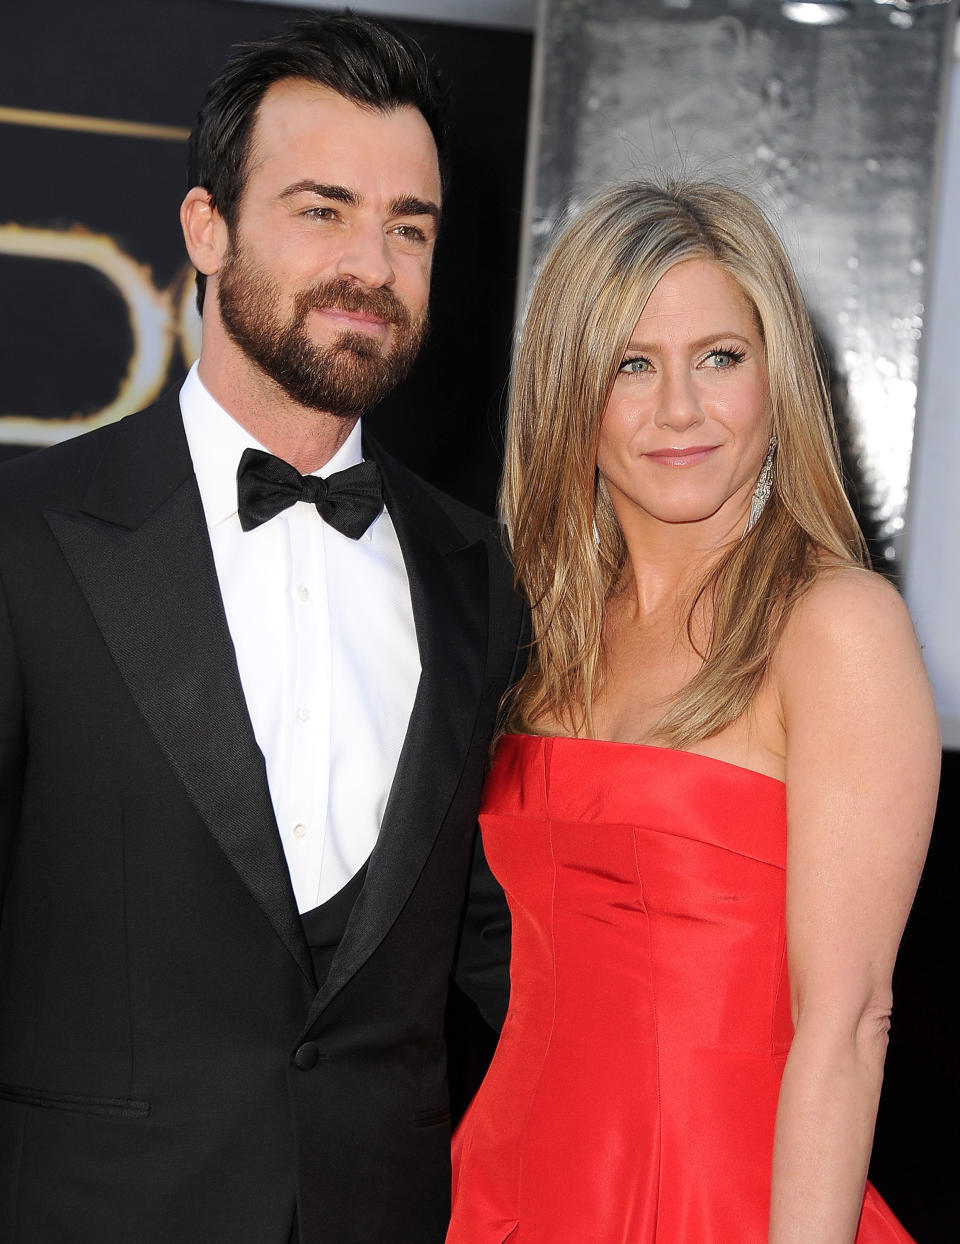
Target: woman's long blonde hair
point(568, 549)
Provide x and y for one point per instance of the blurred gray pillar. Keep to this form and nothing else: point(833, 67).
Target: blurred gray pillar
point(833, 127)
point(932, 551)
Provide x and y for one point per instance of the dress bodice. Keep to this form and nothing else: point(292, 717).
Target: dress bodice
point(633, 1094)
point(646, 860)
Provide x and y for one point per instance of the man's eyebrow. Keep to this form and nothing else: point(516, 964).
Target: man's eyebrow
point(410, 205)
point(339, 194)
point(404, 205)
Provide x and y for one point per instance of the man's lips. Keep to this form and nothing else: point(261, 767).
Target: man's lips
point(357, 320)
point(689, 456)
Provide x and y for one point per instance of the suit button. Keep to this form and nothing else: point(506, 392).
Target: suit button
point(307, 1056)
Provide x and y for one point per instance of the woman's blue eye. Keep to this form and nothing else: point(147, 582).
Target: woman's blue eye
point(722, 359)
point(633, 365)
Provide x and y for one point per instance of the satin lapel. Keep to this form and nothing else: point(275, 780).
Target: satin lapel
point(140, 553)
point(449, 592)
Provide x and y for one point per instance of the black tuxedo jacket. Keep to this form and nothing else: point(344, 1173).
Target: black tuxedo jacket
point(169, 1071)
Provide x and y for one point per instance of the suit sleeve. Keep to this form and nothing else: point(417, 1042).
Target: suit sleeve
point(482, 968)
point(12, 745)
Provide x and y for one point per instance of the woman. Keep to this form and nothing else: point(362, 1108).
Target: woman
point(712, 800)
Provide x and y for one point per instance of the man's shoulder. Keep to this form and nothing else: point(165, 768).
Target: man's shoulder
point(471, 523)
point(64, 458)
point(60, 473)
point(455, 525)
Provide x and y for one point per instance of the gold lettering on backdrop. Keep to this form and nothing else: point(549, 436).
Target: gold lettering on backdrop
point(158, 319)
point(92, 125)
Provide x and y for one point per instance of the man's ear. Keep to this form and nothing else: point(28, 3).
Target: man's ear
point(204, 231)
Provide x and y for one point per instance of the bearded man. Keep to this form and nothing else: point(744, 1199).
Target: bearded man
point(249, 667)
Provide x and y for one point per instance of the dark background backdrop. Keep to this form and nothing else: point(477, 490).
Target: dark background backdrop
point(64, 337)
point(64, 340)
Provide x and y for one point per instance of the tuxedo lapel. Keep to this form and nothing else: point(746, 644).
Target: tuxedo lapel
point(449, 592)
point(140, 553)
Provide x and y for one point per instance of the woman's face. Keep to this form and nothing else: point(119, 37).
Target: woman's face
point(687, 425)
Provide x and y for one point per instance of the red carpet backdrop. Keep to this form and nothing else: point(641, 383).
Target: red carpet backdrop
point(96, 318)
point(96, 314)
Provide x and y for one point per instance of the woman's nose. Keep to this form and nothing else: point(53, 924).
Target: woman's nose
point(679, 404)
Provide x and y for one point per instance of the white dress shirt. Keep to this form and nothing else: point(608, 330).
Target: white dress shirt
point(323, 630)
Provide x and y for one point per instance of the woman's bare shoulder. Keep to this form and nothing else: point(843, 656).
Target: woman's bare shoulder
point(847, 611)
point(849, 666)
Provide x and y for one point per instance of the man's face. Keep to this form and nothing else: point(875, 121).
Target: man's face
point(326, 281)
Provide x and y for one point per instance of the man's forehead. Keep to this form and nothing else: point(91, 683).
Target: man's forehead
point(296, 110)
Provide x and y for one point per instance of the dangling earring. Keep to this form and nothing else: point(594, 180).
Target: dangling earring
point(597, 489)
point(761, 494)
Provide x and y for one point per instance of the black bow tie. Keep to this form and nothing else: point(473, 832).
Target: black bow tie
point(348, 500)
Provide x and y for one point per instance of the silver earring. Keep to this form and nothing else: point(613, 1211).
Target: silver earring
point(761, 494)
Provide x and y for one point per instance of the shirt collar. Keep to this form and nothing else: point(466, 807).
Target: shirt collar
point(216, 442)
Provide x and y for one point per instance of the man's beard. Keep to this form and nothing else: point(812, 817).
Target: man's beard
point(344, 378)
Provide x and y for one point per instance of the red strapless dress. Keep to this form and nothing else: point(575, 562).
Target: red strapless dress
point(632, 1095)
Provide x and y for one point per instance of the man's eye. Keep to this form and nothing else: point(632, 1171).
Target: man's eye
point(411, 232)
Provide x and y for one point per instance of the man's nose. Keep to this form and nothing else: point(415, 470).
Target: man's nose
point(366, 257)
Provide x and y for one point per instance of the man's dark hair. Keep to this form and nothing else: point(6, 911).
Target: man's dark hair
point(361, 58)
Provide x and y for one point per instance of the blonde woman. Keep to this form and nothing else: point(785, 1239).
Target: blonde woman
point(712, 799)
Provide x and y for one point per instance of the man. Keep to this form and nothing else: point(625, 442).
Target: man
point(241, 740)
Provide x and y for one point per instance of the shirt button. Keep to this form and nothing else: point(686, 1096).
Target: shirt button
point(303, 714)
point(299, 830)
point(303, 592)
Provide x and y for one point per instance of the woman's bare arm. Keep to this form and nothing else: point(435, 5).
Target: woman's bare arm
point(863, 756)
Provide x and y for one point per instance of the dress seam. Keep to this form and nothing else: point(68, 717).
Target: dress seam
point(656, 1029)
point(547, 758)
point(654, 829)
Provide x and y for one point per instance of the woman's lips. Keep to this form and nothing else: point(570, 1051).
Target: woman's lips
point(682, 457)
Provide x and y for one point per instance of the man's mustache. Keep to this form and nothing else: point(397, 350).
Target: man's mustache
point(343, 295)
